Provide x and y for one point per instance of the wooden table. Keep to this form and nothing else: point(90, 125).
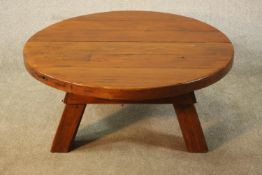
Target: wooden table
point(129, 57)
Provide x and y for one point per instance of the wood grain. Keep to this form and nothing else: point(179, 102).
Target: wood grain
point(75, 99)
point(75, 105)
point(129, 55)
point(191, 128)
point(67, 128)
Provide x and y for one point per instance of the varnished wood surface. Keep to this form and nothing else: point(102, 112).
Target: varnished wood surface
point(68, 127)
point(191, 128)
point(131, 55)
point(184, 107)
point(180, 99)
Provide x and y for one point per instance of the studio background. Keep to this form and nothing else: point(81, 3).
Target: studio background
point(132, 139)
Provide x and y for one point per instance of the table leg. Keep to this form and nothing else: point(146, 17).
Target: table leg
point(183, 104)
point(191, 128)
point(68, 127)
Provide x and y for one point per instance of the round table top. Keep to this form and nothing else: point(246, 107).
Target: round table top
point(132, 55)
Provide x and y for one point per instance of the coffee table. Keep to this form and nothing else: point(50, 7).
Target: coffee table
point(129, 57)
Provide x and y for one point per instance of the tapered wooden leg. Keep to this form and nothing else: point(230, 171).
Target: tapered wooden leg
point(68, 127)
point(191, 128)
point(184, 107)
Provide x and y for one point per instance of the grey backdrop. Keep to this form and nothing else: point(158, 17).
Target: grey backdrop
point(132, 139)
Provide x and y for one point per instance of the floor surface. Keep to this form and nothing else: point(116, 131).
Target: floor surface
point(132, 139)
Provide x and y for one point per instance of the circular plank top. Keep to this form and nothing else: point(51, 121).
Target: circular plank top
point(129, 55)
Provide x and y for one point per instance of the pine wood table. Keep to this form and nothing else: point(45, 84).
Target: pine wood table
point(129, 57)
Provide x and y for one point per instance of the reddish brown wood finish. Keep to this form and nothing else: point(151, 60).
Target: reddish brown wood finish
point(184, 106)
point(68, 127)
point(129, 55)
point(79, 99)
point(191, 128)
